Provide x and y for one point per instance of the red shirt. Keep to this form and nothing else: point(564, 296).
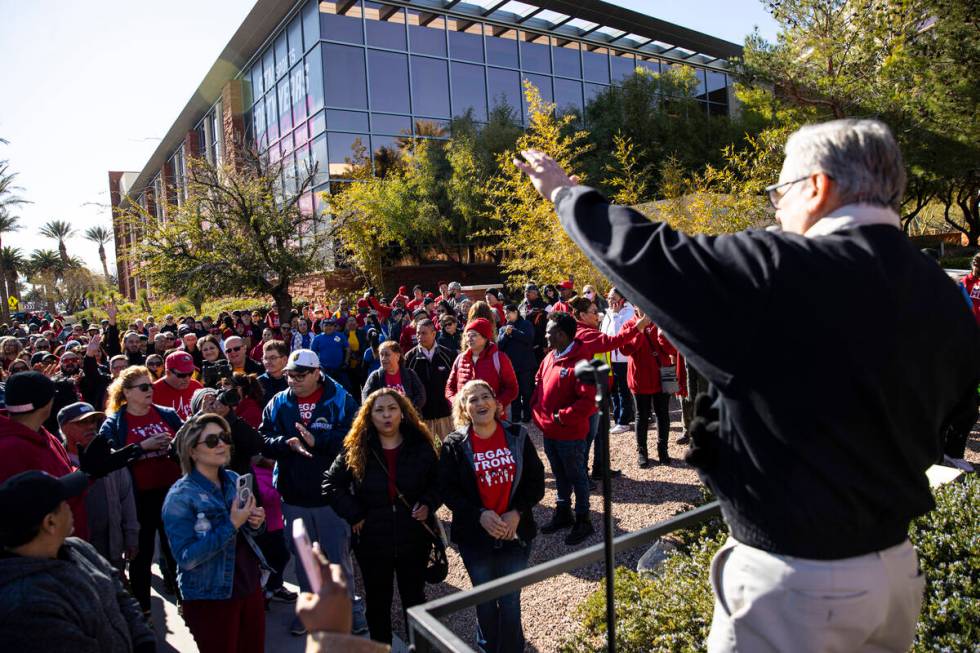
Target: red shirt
point(494, 467)
point(972, 285)
point(155, 469)
point(166, 395)
point(391, 461)
point(394, 381)
point(308, 404)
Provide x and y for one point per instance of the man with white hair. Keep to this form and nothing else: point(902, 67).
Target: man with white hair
point(819, 424)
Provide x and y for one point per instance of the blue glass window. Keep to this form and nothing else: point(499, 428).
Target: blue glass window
point(717, 87)
point(285, 106)
point(568, 61)
point(282, 56)
point(430, 87)
point(505, 88)
point(649, 63)
point(596, 65)
point(382, 123)
point(343, 149)
point(318, 157)
point(385, 25)
point(465, 44)
point(268, 70)
point(535, 53)
point(348, 28)
point(297, 89)
point(568, 95)
point(313, 69)
point(272, 115)
point(592, 90)
point(318, 123)
point(257, 88)
point(623, 65)
point(354, 121)
point(469, 90)
point(311, 24)
point(429, 38)
point(294, 38)
point(502, 47)
point(543, 85)
point(345, 79)
point(258, 120)
point(388, 81)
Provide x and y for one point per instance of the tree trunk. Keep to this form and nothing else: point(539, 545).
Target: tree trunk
point(13, 289)
point(105, 267)
point(4, 310)
point(284, 302)
point(63, 251)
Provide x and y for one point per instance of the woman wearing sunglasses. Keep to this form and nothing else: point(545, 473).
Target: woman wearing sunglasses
point(211, 533)
point(132, 418)
point(154, 364)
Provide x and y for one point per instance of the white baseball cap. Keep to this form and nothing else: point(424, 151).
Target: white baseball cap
point(303, 358)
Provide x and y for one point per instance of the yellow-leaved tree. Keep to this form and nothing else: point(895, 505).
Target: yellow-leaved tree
point(532, 244)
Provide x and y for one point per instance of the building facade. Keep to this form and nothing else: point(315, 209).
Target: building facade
point(309, 82)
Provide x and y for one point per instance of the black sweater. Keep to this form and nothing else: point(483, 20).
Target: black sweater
point(835, 362)
point(433, 375)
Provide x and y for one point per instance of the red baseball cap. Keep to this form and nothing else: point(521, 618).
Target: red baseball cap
point(567, 285)
point(180, 361)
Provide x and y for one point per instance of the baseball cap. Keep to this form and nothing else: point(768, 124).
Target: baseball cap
point(529, 287)
point(28, 391)
point(183, 330)
point(303, 358)
point(567, 285)
point(27, 497)
point(76, 411)
point(180, 361)
point(71, 344)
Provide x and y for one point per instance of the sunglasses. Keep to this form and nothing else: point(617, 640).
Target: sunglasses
point(211, 440)
point(296, 375)
point(142, 387)
point(182, 375)
point(228, 349)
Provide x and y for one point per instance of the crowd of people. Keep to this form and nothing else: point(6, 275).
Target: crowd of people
point(358, 419)
point(209, 439)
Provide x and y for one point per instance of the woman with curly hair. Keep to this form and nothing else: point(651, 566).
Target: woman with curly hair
point(385, 484)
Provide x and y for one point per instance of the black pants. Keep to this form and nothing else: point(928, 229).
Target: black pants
point(378, 571)
point(622, 398)
point(149, 504)
point(660, 403)
point(520, 408)
point(273, 547)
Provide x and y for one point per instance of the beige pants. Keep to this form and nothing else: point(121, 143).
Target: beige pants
point(766, 602)
point(441, 427)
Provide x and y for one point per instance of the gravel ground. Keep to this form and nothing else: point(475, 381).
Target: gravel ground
point(641, 497)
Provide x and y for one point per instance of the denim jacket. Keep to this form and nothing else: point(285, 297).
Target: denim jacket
point(205, 564)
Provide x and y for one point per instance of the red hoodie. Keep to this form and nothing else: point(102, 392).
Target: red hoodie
point(556, 390)
point(972, 285)
point(595, 341)
point(21, 450)
point(503, 382)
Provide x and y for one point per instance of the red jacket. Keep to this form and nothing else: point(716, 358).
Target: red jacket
point(21, 450)
point(596, 342)
point(972, 285)
point(557, 391)
point(503, 382)
point(648, 351)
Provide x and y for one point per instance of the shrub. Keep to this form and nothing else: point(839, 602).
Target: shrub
point(672, 612)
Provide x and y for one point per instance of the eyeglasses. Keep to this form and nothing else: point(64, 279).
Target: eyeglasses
point(776, 195)
point(154, 366)
point(296, 375)
point(211, 440)
point(182, 375)
point(269, 359)
point(142, 387)
point(232, 349)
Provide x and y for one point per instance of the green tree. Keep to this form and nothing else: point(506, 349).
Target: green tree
point(44, 268)
point(100, 235)
point(59, 230)
point(626, 176)
point(13, 263)
point(240, 230)
point(531, 241)
point(8, 223)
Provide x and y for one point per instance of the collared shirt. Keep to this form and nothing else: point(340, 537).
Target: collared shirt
point(429, 353)
point(565, 350)
point(612, 324)
point(853, 215)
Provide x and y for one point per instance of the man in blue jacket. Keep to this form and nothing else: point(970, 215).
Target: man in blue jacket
point(304, 428)
point(516, 339)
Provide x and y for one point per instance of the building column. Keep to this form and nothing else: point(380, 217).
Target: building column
point(232, 120)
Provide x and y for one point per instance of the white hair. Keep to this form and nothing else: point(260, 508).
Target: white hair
point(861, 156)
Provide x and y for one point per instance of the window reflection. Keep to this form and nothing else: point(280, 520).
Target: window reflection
point(294, 40)
point(282, 56)
point(347, 27)
point(268, 70)
point(535, 53)
point(382, 123)
point(623, 65)
point(717, 87)
point(543, 85)
point(285, 106)
point(504, 88)
point(345, 80)
point(318, 158)
point(469, 90)
point(311, 24)
point(426, 33)
point(651, 64)
point(344, 151)
point(388, 81)
point(568, 96)
point(595, 64)
point(271, 115)
point(430, 87)
point(465, 39)
point(347, 120)
point(297, 90)
point(317, 124)
point(385, 25)
point(313, 80)
point(568, 61)
point(501, 47)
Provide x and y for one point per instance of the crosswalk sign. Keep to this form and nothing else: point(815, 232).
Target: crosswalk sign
point(12, 302)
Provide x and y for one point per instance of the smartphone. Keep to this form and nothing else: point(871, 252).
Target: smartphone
point(244, 489)
point(304, 549)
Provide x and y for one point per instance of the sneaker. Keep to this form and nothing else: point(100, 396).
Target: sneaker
point(613, 473)
point(642, 461)
point(282, 595)
point(562, 518)
point(684, 439)
point(297, 628)
point(581, 531)
point(619, 428)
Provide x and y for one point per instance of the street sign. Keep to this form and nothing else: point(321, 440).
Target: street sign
point(12, 303)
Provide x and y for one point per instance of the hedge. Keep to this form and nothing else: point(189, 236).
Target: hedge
point(672, 612)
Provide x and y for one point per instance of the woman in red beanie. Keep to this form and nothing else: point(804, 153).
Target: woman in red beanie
point(480, 359)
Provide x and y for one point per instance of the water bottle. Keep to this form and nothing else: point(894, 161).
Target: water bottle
point(202, 525)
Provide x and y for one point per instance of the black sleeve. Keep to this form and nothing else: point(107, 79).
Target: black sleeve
point(708, 292)
point(416, 394)
point(337, 491)
point(248, 441)
point(465, 511)
point(112, 344)
point(531, 489)
point(431, 496)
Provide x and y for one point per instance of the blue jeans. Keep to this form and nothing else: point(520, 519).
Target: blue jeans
point(325, 526)
point(622, 398)
point(600, 446)
point(499, 629)
point(568, 460)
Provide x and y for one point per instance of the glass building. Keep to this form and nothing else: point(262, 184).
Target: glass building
point(307, 83)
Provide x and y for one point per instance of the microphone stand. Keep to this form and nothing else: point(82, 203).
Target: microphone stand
point(596, 372)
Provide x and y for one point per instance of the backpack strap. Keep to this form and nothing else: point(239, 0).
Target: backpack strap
point(496, 361)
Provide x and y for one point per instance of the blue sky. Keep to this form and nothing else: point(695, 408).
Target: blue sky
point(90, 87)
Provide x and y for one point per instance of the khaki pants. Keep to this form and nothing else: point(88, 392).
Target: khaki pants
point(766, 602)
point(441, 427)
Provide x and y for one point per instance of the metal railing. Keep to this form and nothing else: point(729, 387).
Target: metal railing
point(427, 633)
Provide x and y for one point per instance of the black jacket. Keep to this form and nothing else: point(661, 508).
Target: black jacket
point(433, 375)
point(414, 389)
point(388, 526)
point(450, 342)
point(829, 412)
point(457, 484)
point(246, 442)
point(271, 387)
point(519, 345)
point(94, 382)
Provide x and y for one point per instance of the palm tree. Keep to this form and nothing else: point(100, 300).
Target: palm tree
point(45, 265)
point(8, 222)
point(100, 235)
point(12, 262)
point(59, 230)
